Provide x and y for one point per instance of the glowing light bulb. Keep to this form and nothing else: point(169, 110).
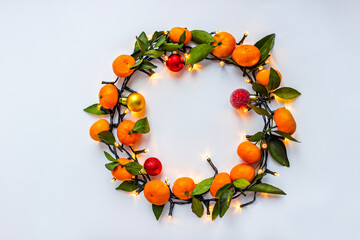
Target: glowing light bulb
point(146, 150)
point(276, 174)
point(170, 216)
point(246, 34)
point(221, 63)
point(264, 145)
point(260, 171)
point(196, 66)
point(166, 32)
point(186, 55)
point(133, 155)
point(113, 179)
point(117, 144)
point(190, 68)
point(166, 57)
point(207, 157)
point(248, 80)
point(261, 68)
point(267, 61)
point(245, 110)
point(217, 32)
point(167, 181)
point(243, 136)
point(126, 111)
point(154, 76)
point(135, 193)
point(286, 140)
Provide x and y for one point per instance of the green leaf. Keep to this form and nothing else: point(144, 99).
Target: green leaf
point(286, 135)
point(141, 45)
point(287, 93)
point(241, 183)
point(127, 186)
point(216, 211)
point(259, 176)
point(109, 157)
point(155, 53)
point(225, 200)
point(157, 210)
point(260, 111)
point(274, 80)
point(256, 137)
point(265, 45)
point(156, 35)
point(134, 168)
point(147, 65)
point(170, 46)
point(266, 188)
point(198, 53)
point(142, 126)
point(182, 37)
point(200, 37)
point(203, 186)
point(160, 41)
point(137, 64)
point(257, 87)
point(107, 137)
point(222, 189)
point(111, 165)
point(197, 207)
point(277, 151)
point(136, 55)
point(95, 109)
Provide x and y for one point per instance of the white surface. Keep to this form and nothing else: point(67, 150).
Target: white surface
point(53, 182)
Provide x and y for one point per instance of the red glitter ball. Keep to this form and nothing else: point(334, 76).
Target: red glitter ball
point(239, 98)
point(175, 62)
point(153, 166)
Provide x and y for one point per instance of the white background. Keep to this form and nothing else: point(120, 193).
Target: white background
point(53, 56)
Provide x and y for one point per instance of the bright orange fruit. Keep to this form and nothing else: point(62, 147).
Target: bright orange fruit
point(125, 134)
point(122, 64)
point(242, 171)
point(182, 185)
point(120, 173)
point(225, 46)
point(249, 152)
point(108, 96)
point(285, 121)
point(157, 192)
point(98, 127)
point(220, 180)
point(262, 77)
point(246, 55)
point(176, 32)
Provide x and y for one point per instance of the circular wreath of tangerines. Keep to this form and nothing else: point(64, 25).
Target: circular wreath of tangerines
point(173, 49)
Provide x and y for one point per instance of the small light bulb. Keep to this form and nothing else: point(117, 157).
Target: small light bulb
point(113, 179)
point(239, 207)
point(243, 136)
point(207, 157)
point(221, 63)
point(133, 155)
point(276, 174)
point(154, 76)
point(261, 68)
point(286, 140)
point(166, 57)
point(248, 80)
point(196, 66)
point(260, 171)
point(267, 61)
point(117, 144)
point(146, 150)
point(170, 216)
point(264, 145)
point(217, 32)
point(246, 34)
point(190, 68)
point(126, 111)
point(245, 110)
point(186, 55)
point(167, 181)
point(166, 32)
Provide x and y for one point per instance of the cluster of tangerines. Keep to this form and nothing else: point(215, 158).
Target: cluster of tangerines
point(216, 46)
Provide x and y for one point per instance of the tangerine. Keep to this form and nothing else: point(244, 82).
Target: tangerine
point(262, 77)
point(122, 65)
point(176, 32)
point(156, 192)
point(225, 46)
point(285, 121)
point(126, 135)
point(246, 55)
point(183, 185)
point(120, 172)
point(108, 96)
point(220, 180)
point(249, 152)
point(242, 171)
point(98, 127)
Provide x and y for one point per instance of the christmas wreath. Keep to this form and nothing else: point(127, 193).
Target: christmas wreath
point(177, 48)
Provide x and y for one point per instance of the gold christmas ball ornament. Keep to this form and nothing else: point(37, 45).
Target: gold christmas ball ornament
point(135, 102)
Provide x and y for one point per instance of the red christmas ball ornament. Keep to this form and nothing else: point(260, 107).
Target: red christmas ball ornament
point(240, 98)
point(175, 62)
point(153, 166)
